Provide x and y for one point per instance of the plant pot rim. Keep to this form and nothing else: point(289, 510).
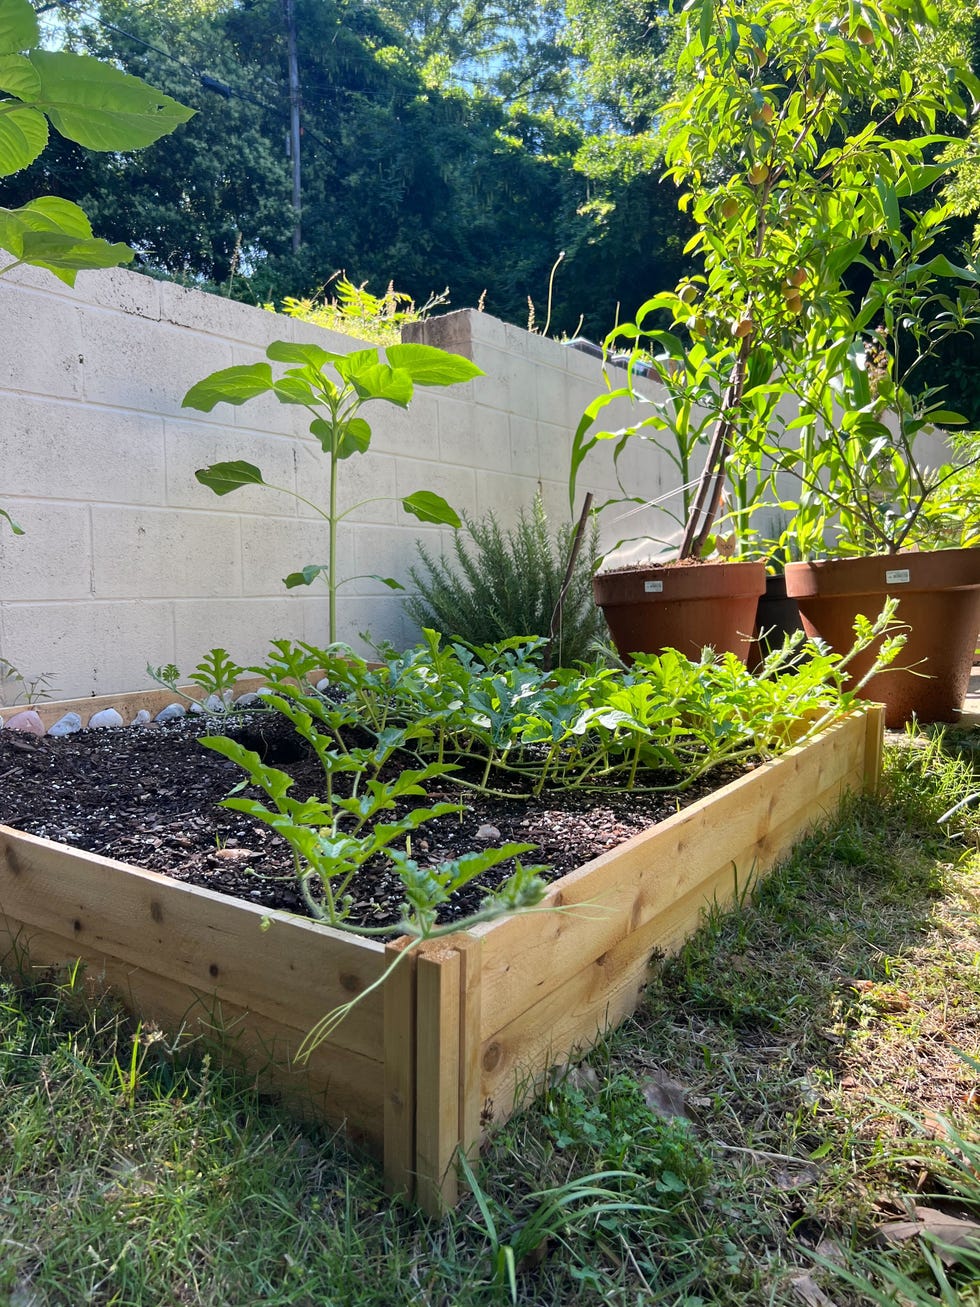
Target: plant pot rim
point(660, 583)
point(900, 573)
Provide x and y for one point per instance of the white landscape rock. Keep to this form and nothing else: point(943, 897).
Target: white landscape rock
point(142, 718)
point(171, 713)
point(105, 720)
point(28, 720)
point(66, 725)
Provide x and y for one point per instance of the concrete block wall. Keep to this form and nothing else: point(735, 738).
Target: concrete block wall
point(127, 559)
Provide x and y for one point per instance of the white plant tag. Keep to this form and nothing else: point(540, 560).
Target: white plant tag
point(653, 587)
point(900, 576)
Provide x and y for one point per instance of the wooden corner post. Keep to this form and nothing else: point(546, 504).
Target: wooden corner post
point(399, 1072)
point(447, 1086)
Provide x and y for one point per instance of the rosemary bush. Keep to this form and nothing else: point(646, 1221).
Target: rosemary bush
point(505, 584)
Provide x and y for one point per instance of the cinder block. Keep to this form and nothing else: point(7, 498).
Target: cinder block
point(411, 432)
point(272, 547)
point(244, 627)
point(214, 315)
point(148, 366)
point(41, 343)
point(473, 436)
point(120, 289)
point(53, 559)
point(91, 648)
point(457, 485)
point(389, 551)
point(525, 447)
point(192, 444)
point(162, 554)
point(67, 450)
point(505, 495)
point(367, 480)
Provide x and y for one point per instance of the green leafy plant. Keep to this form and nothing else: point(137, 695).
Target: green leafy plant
point(511, 583)
point(336, 424)
point(854, 448)
point(784, 139)
point(562, 1213)
point(26, 689)
point(215, 674)
point(89, 102)
point(86, 101)
point(354, 310)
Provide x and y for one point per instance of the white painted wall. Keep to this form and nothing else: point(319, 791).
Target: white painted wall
point(127, 559)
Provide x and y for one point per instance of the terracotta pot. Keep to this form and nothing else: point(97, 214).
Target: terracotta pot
point(683, 606)
point(939, 600)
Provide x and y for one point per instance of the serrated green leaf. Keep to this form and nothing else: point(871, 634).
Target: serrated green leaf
point(23, 136)
point(235, 385)
point(430, 507)
point(286, 351)
point(379, 381)
point(223, 478)
point(429, 366)
point(18, 26)
point(355, 437)
point(101, 107)
point(18, 77)
point(294, 390)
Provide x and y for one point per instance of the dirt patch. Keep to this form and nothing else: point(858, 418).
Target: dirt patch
point(149, 795)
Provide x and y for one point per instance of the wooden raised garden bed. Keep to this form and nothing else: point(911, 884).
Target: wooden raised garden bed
point(424, 1064)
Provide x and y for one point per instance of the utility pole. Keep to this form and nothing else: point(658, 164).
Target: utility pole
point(289, 13)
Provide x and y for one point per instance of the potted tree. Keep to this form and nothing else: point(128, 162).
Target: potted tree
point(784, 140)
point(877, 512)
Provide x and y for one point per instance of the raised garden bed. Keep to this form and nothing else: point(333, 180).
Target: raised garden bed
point(424, 1064)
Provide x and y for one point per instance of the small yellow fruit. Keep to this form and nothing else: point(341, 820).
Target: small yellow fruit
point(688, 293)
point(797, 278)
point(699, 326)
point(744, 328)
point(794, 302)
point(864, 34)
point(758, 174)
point(767, 113)
point(729, 207)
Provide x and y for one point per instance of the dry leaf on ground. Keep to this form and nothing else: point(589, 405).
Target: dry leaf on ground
point(953, 1231)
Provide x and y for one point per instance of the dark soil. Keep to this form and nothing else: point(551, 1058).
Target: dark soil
point(149, 795)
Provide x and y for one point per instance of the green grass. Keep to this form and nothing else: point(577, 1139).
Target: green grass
point(821, 1043)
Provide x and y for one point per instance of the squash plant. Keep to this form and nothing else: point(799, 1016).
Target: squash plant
point(337, 425)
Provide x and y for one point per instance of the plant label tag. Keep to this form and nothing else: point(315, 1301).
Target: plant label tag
point(899, 577)
point(653, 587)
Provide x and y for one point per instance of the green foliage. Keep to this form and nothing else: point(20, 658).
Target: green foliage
point(16, 687)
point(612, 1123)
point(355, 311)
point(508, 583)
point(784, 138)
point(215, 674)
point(86, 101)
point(337, 426)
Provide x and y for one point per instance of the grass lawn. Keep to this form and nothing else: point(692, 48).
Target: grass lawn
point(795, 1102)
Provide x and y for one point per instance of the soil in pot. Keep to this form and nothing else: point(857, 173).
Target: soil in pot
point(148, 796)
point(939, 600)
point(685, 606)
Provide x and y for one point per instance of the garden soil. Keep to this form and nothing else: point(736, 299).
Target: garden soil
point(149, 796)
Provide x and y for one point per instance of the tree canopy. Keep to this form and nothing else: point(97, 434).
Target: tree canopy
point(465, 143)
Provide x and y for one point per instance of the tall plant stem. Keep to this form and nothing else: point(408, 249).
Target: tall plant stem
point(555, 624)
point(707, 497)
